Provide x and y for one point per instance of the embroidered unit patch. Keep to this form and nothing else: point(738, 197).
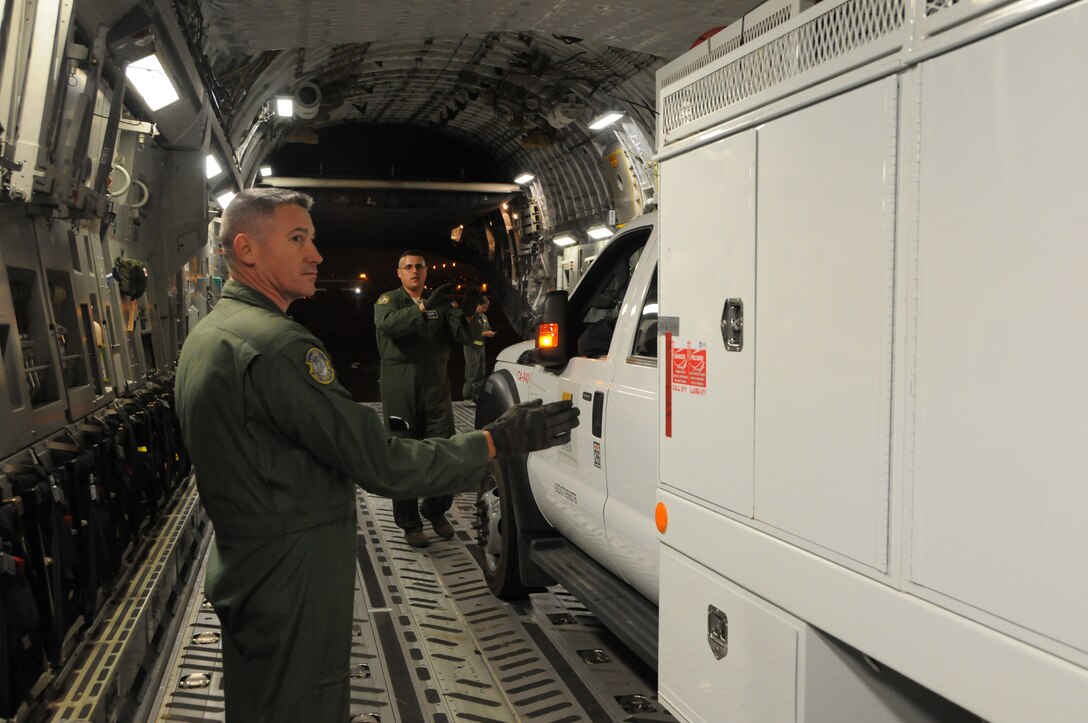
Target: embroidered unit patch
point(320, 367)
point(384, 299)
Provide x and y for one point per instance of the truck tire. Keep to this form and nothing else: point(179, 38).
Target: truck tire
point(498, 536)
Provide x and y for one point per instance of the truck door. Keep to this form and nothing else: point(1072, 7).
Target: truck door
point(630, 439)
point(569, 482)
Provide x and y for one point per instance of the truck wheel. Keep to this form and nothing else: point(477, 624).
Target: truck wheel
point(498, 536)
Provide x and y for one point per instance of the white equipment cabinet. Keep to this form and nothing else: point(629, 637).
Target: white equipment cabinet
point(872, 238)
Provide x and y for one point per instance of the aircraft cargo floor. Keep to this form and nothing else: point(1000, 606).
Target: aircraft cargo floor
point(430, 642)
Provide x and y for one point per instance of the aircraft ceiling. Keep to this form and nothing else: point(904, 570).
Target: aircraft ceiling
point(518, 80)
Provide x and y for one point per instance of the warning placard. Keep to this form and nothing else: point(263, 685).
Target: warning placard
point(689, 370)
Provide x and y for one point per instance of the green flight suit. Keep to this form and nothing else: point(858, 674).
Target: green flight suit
point(476, 362)
point(415, 382)
point(278, 446)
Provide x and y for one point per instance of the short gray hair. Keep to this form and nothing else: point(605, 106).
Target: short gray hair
point(253, 206)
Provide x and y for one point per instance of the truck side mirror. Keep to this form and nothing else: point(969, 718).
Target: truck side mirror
point(551, 334)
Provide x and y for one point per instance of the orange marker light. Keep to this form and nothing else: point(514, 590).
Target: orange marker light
point(548, 336)
point(661, 517)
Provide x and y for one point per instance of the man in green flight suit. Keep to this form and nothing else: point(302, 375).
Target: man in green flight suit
point(278, 446)
point(415, 330)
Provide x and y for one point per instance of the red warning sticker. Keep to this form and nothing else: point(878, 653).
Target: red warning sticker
point(689, 370)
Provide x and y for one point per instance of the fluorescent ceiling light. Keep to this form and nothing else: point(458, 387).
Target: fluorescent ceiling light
point(599, 232)
point(524, 178)
point(211, 167)
point(564, 240)
point(605, 120)
point(285, 106)
point(224, 199)
point(266, 171)
point(151, 81)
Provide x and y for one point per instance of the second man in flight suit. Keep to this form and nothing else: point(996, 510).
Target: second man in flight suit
point(415, 330)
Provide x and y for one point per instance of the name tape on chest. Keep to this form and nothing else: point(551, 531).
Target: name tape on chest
point(319, 365)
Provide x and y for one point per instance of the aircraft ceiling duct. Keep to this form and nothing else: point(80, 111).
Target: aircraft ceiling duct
point(307, 100)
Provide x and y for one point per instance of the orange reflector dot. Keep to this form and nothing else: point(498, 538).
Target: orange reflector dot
point(548, 336)
point(661, 517)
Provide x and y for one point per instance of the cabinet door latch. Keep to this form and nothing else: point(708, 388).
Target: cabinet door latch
point(717, 632)
point(733, 324)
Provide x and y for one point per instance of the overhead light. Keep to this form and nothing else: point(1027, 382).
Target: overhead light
point(224, 199)
point(211, 167)
point(524, 178)
point(599, 232)
point(564, 240)
point(605, 120)
point(266, 171)
point(285, 106)
point(150, 80)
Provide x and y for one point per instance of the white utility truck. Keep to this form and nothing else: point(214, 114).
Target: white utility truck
point(566, 513)
point(864, 416)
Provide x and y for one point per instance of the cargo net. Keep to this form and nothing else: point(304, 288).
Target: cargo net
point(827, 36)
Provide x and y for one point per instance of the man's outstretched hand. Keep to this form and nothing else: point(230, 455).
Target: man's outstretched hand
point(471, 300)
point(439, 296)
point(531, 426)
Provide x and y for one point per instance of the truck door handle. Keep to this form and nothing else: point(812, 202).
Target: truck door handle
point(733, 324)
point(598, 413)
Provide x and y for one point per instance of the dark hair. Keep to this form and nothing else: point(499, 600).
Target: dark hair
point(252, 206)
point(410, 252)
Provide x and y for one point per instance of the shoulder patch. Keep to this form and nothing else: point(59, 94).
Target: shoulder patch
point(384, 299)
point(320, 367)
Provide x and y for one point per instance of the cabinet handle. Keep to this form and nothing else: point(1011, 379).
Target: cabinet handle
point(733, 324)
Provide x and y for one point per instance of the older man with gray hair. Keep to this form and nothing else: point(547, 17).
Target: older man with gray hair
point(279, 446)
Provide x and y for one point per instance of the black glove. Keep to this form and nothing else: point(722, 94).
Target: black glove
point(473, 298)
point(530, 426)
point(439, 296)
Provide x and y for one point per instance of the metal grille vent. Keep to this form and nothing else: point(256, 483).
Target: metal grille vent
point(763, 19)
point(935, 6)
point(704, 60)
point(827, 36)
point(768, 23)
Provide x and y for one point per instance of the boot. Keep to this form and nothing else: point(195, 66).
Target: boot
point(442, 527)
point(416, 538)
